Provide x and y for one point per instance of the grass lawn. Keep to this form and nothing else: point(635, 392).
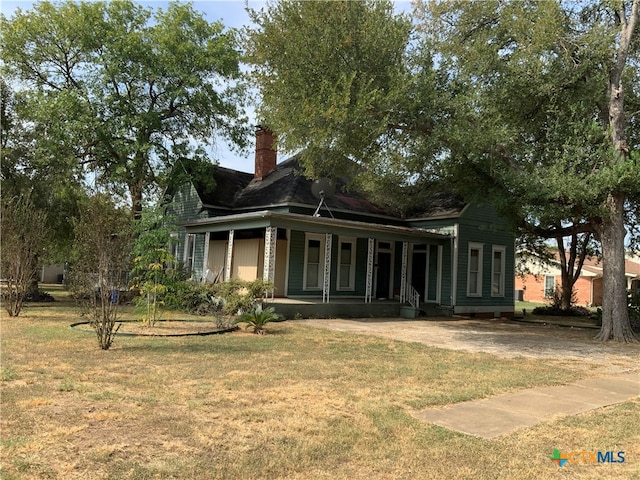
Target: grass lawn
point(296, 403)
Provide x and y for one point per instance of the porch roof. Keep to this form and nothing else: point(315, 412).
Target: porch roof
point(295, 221)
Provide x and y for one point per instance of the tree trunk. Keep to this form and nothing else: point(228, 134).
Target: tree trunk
point(135, 191)
point(615, 316)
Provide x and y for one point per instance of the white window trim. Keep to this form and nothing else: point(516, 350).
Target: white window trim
point(503, 250)
point(480, 248)
point(352, 265)
point(321, 239)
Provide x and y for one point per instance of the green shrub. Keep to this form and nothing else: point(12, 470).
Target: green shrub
point(226, 298)
point(257, 318)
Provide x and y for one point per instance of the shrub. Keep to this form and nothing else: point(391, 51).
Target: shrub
point(227, 298)
point(555, 308)
point(257, 318)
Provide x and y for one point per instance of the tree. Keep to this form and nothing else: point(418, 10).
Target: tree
point(330, 76)
point(509, 101)
point(101, 260)
point(122, 92)
point(24, 236)
point(546, 131)
point(152, 261)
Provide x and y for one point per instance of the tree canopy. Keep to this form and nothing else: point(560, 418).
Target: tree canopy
point(530, 105)
point(121, 91)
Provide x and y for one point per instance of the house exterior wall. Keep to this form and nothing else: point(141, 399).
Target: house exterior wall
point(217, 257)
point(533, 288)
point(186, 205)
point(479, 225)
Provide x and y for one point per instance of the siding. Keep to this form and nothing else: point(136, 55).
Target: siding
point(480, 224)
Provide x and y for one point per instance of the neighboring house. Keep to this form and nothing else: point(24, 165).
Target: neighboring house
point(349, 257)
point(541, 279)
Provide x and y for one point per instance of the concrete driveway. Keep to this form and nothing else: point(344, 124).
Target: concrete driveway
point(499, 337)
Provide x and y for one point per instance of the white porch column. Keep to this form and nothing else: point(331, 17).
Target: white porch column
point(227, 267)
point(270, 239)
point(205, 260)
point(326, 284)
point(403, 272)
point(369, 284)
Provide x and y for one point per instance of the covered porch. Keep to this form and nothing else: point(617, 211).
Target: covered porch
point(327, 267)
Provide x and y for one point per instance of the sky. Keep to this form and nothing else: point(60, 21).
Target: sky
point(233, 14)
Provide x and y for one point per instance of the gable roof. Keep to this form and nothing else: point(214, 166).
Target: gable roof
point(238, 192)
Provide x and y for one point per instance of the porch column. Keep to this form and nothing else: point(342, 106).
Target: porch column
point(227, 268)
point(369, 284)
point(326, 284)
point(205, 260)
point(403, 272)
point(270, 239)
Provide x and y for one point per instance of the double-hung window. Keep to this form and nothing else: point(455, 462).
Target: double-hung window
point(497, 271)
point(347, 262)
point(314, 262)
point(549, 286)
point(190, 252)
point(474, 270)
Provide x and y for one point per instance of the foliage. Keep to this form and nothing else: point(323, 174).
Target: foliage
point(123, 91)
point(153, 264)
point(226, 298)
point(39, 296)
point(101, 261)
point(257, 318)
point(557, 306)
point(521, 104)
point(634, 312)
point(330, 74)
point(24, 236)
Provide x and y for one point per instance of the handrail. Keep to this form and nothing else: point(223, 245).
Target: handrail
point(412, 297)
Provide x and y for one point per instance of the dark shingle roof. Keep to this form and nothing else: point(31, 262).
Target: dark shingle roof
point(240, 192)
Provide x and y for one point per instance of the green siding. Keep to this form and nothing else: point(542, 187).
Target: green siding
point(296, 263)
point(480, 224)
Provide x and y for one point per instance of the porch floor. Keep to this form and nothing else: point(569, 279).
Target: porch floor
point(312, 307)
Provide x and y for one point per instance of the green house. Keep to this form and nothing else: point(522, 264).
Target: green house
point(329, 253)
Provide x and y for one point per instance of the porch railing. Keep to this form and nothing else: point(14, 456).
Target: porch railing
point(412, 297)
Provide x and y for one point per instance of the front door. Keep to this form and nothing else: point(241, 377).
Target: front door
point(418, 273)
point(383, 275)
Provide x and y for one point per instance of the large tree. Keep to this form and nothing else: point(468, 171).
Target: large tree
point(514, 102)
point(546, 132)
point(122, 91)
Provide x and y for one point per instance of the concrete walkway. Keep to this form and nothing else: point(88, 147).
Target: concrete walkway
point(615, 368)
point(503, 414)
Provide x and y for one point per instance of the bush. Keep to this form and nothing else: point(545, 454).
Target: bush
point(257, 318)
point(573, 311)
point(555, 308)
point(227, 298)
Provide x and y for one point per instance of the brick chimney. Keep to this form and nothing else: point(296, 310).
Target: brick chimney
point(265, 153)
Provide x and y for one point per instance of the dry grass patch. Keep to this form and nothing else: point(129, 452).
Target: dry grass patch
point(297, 403)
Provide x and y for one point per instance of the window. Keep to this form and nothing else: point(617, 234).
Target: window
point(189, 252)
point(314, 262)
point(346, 266)
point(474, 270)
point(549, 286)
point(497, 271)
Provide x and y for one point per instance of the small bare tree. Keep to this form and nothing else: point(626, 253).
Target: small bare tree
point(24, 236)
point(102, 256)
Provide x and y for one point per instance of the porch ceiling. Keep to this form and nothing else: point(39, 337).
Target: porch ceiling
point(306, 223)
